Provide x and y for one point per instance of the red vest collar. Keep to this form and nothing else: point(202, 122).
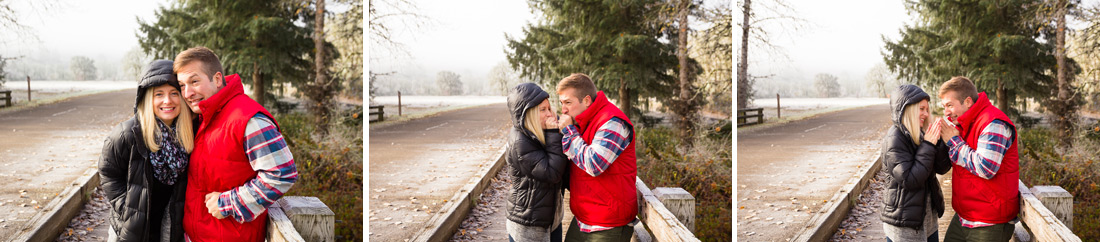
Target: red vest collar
point(967, 119)
point(597, 103)
point(214, 104)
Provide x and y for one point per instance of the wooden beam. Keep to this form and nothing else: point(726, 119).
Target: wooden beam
point(661, 222)
point(279, 227)
point(1042, 222)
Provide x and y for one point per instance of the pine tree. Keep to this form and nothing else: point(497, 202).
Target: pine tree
point(994, 43)
point(615, 42)
point(258, 39)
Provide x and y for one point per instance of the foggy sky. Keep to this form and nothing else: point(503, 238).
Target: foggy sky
point(97, 29)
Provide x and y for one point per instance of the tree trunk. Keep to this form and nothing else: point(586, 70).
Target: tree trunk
point(1063, 106)
point(258, 87)
point(625, 101)
point(686, 110)
point(322, 98)
point(1002, 96)
point(743, 62)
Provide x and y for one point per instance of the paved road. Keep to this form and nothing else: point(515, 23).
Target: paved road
point(44, 149)
point(786, 172)
point(416, 166)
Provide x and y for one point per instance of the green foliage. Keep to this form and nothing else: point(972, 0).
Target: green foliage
point(345, 32)
point(704, 171)
point(83, 68)
point(255, 38)
point(1076, 170)
point(330, 168)
point(616, 43)
point(994, 43)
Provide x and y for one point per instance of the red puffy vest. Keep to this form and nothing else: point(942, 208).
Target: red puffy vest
point(219, 163)
point(610, 199)
point(996, 200)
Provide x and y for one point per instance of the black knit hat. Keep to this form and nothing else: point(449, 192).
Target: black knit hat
point(158, 72)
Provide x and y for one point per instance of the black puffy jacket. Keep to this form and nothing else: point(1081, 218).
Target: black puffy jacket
point(126, 176)
point(537, 170)
point(911, 168)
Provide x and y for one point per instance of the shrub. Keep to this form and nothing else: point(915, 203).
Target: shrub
point(330, 167)
point(704, 171)
point(1074, 169)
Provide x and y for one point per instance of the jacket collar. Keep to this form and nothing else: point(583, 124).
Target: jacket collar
point(967, 119)
point(212, 105)
point(597, 103)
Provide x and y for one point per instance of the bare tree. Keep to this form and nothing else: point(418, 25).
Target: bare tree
point(757, 30)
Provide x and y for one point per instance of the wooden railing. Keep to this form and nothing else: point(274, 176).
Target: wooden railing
point(6, 96)
point(743, 116)
point(380, 114)
point(667, 212)
point(299, 219)
point(1046, 214)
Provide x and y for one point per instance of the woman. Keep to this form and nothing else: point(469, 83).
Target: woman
point(144, 161)
point(537, 167)
point(913, 201)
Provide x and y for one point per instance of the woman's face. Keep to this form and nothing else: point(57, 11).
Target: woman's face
point(166, 103)
point(545, 111)
point(924, 113)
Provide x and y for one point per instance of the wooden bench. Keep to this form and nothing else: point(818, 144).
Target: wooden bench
point(381, 113)
point(743, 116)
point(6, 96)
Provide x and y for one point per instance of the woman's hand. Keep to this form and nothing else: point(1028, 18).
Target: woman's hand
point(550, 123)
point(932, 135)
point(212, 205)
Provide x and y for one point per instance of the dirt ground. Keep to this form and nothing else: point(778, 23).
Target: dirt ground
point(787, 172)
point(44, 149)
point(416, 166)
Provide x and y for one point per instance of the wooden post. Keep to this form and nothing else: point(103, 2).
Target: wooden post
point(398, 103)
point(313, 220)
point(28, 89)
point(777, 107)
point(1058, 200)
point(680, 202)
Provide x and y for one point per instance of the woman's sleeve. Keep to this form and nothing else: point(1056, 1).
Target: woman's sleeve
point(113, 163)
point(943, 160)
point(544, 163)
point(912, 168)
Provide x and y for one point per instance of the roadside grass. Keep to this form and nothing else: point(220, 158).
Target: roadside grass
point(1074, 169)
point(704, 171)
point(330, 168)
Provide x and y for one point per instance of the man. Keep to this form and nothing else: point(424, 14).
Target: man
point(986, 163)
point(601, 146)
point(240, 164)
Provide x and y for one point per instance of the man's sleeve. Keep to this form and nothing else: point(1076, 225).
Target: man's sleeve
point(984, 162)
point(608, 143)
point(271, 158)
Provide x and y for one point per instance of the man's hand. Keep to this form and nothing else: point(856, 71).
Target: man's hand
point(564, 120)
point(948, 132)
point(933, 133)
point(212, 205)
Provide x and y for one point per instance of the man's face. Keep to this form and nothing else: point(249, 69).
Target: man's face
point(198, 86)
point(953, 107)
point(571, 104)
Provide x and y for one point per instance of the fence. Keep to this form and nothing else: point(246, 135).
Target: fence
point(667, 212)
point(1046, 214)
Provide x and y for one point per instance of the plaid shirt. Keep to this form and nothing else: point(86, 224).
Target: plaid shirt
point(271, 158)
point(609, 142)
point(984, 162)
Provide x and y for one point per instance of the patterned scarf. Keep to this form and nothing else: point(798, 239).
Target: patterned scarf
point(171, 160)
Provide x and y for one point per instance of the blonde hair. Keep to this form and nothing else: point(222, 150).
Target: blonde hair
point(184, 132)
point(532, 123)
point(910, 118)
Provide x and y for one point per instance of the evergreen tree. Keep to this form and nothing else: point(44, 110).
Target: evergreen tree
point(615, 42)
point(259, 39)
point(994, 43)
